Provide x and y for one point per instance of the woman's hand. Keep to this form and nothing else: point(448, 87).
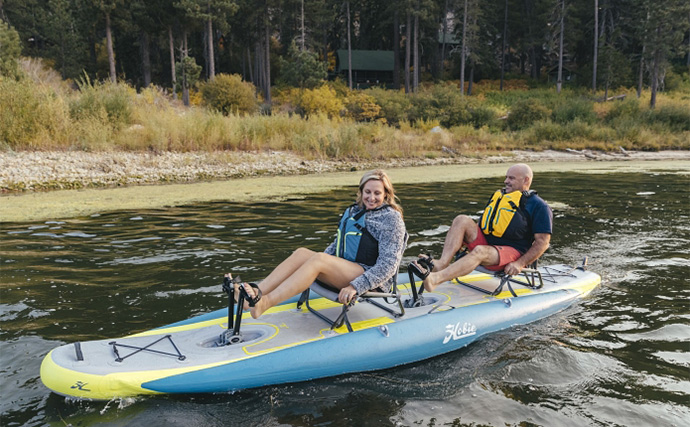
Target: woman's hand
point(347, 294)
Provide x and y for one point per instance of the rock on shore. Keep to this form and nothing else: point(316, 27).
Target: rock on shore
point(53, 170)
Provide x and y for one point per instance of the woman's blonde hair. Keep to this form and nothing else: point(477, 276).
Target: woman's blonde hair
point(389, 197)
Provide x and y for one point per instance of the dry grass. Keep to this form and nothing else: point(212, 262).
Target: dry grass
point(43, 112)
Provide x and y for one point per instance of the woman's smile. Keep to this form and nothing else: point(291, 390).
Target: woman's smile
point(373, 194)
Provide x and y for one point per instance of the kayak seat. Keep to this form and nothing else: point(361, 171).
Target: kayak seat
point(529, 277)
point(373, 297)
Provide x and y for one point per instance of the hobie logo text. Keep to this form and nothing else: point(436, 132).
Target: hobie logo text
point(459, 330)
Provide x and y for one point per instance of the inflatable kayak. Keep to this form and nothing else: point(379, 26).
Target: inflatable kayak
point(292, 343)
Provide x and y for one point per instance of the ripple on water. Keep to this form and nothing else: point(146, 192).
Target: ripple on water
point(21, 361)
point(667, 333)
point(79, 234)
point(624, 326)
point(441, 229)
point(679, 358)
point(188, 291)
point(669, 262)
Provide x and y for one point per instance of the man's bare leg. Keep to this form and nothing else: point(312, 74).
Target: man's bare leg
point(480, 255)
point(463, 229)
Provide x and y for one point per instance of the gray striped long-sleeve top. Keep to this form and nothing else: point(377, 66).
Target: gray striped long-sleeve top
point(388, 228)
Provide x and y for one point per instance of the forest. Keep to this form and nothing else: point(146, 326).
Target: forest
point(209, 51)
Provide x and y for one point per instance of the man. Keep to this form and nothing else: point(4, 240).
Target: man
point(521, 239)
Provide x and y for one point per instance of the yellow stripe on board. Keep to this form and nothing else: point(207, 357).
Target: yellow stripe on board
point(72, 383)
point(473, 277)
point(364, 324)
point(220, 321)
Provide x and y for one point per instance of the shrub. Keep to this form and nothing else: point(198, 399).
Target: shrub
point(111, 103)
point(545, 132)
point(228, 94)
point(322, 100)
point(30, 116)
point(444, 103)
point(574, 109)
point(395, 104)
point(628, 109)
point(675, 117)
point(363, 107)
point(526, 112)
point(10, 49)
point(481, 115)
point(426, 125)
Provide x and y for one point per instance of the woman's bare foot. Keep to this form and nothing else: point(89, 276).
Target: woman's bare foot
point(259, 306)
point(236, 285)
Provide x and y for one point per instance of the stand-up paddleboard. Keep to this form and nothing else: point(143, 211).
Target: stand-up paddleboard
point(291, 344)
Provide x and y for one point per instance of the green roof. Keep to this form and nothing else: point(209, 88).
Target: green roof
point(366, 60)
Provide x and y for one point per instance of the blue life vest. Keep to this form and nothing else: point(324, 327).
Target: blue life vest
point(354, 242)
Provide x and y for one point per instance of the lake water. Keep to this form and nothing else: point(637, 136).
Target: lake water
point(621, 357)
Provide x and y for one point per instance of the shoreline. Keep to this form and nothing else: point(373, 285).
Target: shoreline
point(268, 176)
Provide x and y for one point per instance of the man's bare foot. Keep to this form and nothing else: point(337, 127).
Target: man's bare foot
point(431, 282)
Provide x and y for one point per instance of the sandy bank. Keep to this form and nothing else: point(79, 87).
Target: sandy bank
point(35, 206)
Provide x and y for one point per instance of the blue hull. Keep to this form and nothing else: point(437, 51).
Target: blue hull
point(292, 345)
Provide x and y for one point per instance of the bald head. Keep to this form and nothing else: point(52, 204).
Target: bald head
point(518, 178)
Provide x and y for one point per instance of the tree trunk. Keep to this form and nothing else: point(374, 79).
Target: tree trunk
point(596, 46)
point(258, 65)
point(469, 84)
point(109, 46)
point(211, 53)
point(443, 41)
point(640, 75)
point(349, 47)
point(415, 76)
point(185, 85)
point(559, 83)
point(171, 45)
point(302, 44)
point(249, 64)
point(267, 35)
point(408, 36)
point(463, 50)
point(396, 50)
point(503, 51)
point(655, 71)
point(145, 58)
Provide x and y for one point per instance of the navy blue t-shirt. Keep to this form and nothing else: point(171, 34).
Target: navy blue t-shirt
point(539, 220)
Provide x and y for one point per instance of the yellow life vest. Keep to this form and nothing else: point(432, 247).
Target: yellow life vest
point(502, 211)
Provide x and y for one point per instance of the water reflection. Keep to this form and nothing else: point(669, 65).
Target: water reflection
point(619, 358)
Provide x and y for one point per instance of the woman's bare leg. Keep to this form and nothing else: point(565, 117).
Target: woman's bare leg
point(335, 271)
point(285, 269)
point(298, 257)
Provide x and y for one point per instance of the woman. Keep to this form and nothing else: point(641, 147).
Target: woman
point(355, 262)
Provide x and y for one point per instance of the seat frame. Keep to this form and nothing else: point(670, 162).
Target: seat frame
point(531, 274)
point(332, 294)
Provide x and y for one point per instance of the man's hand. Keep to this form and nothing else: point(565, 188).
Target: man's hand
point(539, 246)
point(513, 268)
